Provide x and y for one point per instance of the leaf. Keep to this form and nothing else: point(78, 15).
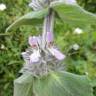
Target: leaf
point(73, 14)
point(34, 17)
point(62, 84)
point(93, 82)
point(23, 85)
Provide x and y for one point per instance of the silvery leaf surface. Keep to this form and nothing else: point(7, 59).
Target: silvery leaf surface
point(31, 18)
point(62, 84)
point(73, 13)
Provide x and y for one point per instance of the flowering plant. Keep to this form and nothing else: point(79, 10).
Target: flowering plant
point(43, 73)
point(38, 61)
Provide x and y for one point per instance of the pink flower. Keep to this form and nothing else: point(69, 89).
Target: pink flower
point(33, 41)
point(56, 53)
point(36, 42)
point(49, 37)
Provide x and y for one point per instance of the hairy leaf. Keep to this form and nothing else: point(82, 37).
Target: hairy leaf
point(62, 84)
point(73, 14)
point(35, 18)
point(23, 85)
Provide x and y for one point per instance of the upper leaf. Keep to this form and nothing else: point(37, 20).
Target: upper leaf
point(35, 17)
point(73, 13)
point(62, 84)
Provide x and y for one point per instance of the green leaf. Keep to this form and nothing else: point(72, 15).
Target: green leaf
point(23, 85)
point(62, 84)
point(34, 17)
point(93, 82)
point(73, 14)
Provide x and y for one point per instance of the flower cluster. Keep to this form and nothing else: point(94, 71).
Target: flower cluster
point(40, 61)
point(41, 4)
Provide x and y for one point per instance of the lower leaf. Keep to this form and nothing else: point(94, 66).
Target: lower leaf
point(62, 84)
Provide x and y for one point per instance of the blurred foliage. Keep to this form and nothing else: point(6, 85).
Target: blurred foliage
point(82, 61)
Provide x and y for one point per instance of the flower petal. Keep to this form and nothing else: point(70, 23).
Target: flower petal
point(39, 40)
point(49, 37)
point(58, 55)
point(35, 57)
point(32, 40)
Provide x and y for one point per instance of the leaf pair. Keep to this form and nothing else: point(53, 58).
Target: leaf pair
point(55, 84)
point(69, 13)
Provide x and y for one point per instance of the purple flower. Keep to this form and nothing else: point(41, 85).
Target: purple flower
point(56, 53)
point(33, 41)
point(49, 37)
point(40, 61)
point(68, 1)
point(35, 56)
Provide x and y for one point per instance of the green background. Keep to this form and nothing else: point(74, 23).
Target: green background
point(79, 62)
